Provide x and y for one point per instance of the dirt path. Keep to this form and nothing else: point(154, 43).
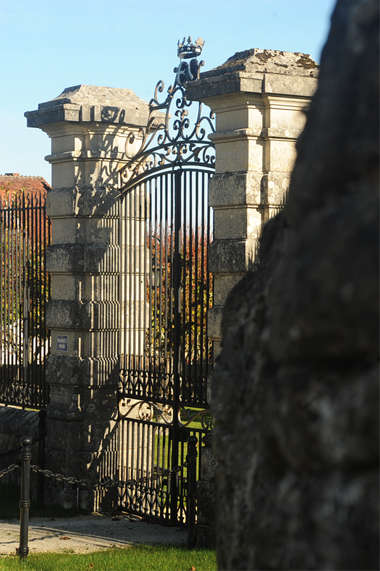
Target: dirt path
point(84, 534)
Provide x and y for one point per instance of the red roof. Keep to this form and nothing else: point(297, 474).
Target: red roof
point(12, 183)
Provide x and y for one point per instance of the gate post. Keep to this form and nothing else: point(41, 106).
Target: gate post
point(88, 127)
point(26, 457)
point(259, 98)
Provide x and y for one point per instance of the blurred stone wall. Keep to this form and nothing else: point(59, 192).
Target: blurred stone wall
point(295, 390)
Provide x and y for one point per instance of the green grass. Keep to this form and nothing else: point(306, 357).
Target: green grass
point(139, 558)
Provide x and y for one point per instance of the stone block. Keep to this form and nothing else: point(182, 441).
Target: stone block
point(83, 200)
point(64, 286)
point(98, 287)
point(104, 314)
point(66, 342)
point(98, 230)
point(65, 231)
point(238, 111)
point(280, 155)
point(95, 287)
point(65, 258)
point(212, 87)
point(214, 319)
point(102, 362)
point(71, 397)
point(101, 258)
point(285, 116)
point(230, 256)
point(63, 370)
point(60, 202)
point(63, 401)
point(256, 153)
point(98, 201)
point(289, 85)
point(274, 187)
point(234, 115)
point(283, 133)
point(258, 71)
point(223, 284)
point(235, 188)
point(91, 103)
point(64, 173)
point(68, 314)
point(236, 223)
point(76, 315)
point(52, 113)
point(256, 113)
point(232, 154)
point(216, 348)
point(72, 140)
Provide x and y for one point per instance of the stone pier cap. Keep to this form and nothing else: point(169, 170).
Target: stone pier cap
point(259, 71)
point(91, 103)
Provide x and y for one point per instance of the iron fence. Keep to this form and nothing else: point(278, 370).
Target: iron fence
point(24, 290)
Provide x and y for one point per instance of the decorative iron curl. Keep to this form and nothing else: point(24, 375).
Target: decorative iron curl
point(148, 410)
point(203, 416)
point(172, 138)
point(144, 409)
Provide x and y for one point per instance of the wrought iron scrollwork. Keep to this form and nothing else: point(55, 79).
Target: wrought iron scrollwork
point(166, 227)
point(178, 131)
point(148, 410)
point(145, 410)
point(204, 417)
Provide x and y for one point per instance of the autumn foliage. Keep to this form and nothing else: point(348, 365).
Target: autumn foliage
point(183, 274)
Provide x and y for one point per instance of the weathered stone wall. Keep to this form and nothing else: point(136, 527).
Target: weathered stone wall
point(295, 390)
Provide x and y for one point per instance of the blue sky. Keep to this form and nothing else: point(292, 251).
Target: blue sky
point(47, 45)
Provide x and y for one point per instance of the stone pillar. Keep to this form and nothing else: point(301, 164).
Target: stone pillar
point(259, 98)
point(88, 127)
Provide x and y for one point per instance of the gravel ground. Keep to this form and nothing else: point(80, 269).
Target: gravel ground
point(84, 534)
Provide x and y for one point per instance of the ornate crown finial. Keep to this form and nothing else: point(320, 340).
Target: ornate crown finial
point(187, 49)
point(188, 71)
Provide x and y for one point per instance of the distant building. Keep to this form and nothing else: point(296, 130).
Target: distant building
point(22, 202)
point(13, 183)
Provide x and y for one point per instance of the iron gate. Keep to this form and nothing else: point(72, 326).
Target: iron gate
point(166, 291)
